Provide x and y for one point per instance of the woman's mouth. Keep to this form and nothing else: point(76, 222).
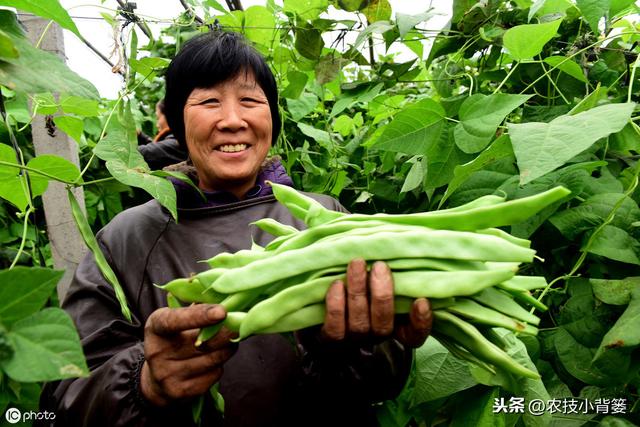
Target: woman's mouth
point(231, 148)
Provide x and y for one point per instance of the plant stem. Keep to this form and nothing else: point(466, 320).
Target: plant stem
point(506, 78)
point(36, 171)
point(25, 227)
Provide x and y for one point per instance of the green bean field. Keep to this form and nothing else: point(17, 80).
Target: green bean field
point(487, 151)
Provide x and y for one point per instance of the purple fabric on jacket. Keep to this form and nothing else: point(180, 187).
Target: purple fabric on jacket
point(189, 198)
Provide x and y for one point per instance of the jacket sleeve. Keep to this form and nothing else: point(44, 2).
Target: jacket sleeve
point(114, 351)
point(163, 153)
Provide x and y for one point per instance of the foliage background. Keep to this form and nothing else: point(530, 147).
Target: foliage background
point(513, 98)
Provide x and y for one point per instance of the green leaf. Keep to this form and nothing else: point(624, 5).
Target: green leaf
point(50, 9)
point(406, 23)
point(56, 166)
point(377, 27)
point(592, 11)
point(543, 147)
point(614, 243)
point(343, 124)
point(302, 106)
point(414, 178)
point(414, 129)
point(377, 10)
point(477, 410)
point(7, 49)
point(297, 82)
point(439, 374)
point(149, 66)
point(12, 186)
point(72, 126)
point(306, 9)
point(79, 106)
point(8, 155)
point(480, 115)
point(614, 292)
point(328, 68)
point(322, 137)
point(51, 74)
point(567, 66)
point(45, 103)
point(526, 41)
point(576, 359)
point(548, 7)
point(119, 149)
point(258, 25)
point(24, 291)
point(625, 333)
point(499, 149)
point(309, 42)
point(47, 348)
point(352, 5)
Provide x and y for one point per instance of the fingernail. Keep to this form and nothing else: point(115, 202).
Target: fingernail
point(379, 267)
point(216, 313)
point(423, 308)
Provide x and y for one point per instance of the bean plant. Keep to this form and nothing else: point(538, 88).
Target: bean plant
point(509, 99)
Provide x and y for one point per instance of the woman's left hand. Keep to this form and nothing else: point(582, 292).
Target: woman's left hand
point(364, 308)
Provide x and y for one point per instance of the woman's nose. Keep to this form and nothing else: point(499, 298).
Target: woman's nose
point(232, 118)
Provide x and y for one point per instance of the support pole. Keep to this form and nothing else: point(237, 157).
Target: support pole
point(67, 246)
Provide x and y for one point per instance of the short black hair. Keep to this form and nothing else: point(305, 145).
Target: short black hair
point(209, 59)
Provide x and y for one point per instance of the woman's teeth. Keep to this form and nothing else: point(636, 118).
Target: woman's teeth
point(232, 148)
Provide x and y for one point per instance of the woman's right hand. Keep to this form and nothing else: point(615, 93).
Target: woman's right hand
point(174, 369)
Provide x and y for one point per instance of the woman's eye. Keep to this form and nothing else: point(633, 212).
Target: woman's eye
point(211, 101)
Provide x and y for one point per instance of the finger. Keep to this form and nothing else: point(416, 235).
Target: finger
point(334, 328)
point(170, 321)
point(382, 311)
point(180, 389)
point(357, 300)
point(203, 363)
point(415, 332)
point(218, 341)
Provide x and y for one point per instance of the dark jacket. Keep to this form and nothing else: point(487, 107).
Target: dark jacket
point(164, 152)
point(270, 381)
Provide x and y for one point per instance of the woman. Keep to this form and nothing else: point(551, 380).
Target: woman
point(221, 103)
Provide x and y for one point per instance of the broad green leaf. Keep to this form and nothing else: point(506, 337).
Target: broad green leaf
point(543, 147)
point(259, 24)
point(306, 9)
point(592, 11)
point(9, 156)
point(56, 166)
point(328, 68)
point(24, 291)
point(309, 42)
point(614, 292)
point(50, 9)
point(215, 5)
point(526, 41)
point(45, 103)
point(547, 7)
point(297, 82)
point(119, 149)
point(615, 243)
point(414, 178)
point(18, 108)
point(51, 74)
point(352, 5)
point(406, 23)
point(72, 126)
point(80, 106)
point(7, 49)
point(499, 149)
point(576, 359)
point(377, 27)
point(343, 124)
point(14, 191)
point(414, 129)
point(567, 66)
point(627, 140)
point(480, 115)
point(366, 94)
point(439, 374)
point(322, 137)
point(47, 348)
point(377, 10)
point(617, 6)
point(302, 106)
point(625, 332)
point(598, 96)
point(477, 410)
point(442, 158)
point(149, 66)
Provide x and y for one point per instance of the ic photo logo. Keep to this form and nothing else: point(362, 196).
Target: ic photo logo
point(13, 415)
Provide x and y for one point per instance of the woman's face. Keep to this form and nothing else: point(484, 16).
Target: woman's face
point(228, 132)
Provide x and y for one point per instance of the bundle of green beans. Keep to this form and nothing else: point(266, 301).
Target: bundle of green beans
point(455, 257)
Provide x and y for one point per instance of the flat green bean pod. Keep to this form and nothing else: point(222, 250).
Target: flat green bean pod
point(496, 215)
point(477, 313)
point(191, 290)
point(470, 338)
point(274, 227)
point(381, 246)
point(500, 301)
point(524, 283)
